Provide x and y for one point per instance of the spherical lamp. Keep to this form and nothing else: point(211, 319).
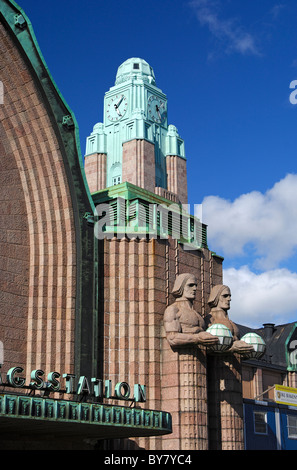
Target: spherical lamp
point(258, 344)
point(224, 335)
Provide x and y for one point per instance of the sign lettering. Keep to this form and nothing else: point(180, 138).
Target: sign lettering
point(95, 387)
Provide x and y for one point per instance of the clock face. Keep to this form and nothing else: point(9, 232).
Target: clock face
point(156, 109)
point(116, 107)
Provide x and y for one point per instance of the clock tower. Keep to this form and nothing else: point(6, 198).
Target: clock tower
point(134, 143)
point(135, 166)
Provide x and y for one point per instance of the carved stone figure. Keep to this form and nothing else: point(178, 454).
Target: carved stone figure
point(219, 302)
point(183, 325)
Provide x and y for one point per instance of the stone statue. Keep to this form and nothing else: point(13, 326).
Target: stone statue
point(183, 325)
point(219, 302)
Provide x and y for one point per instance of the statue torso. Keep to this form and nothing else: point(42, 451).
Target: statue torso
point(218, 315)
point(189, 319)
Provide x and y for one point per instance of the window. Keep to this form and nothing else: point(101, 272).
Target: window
point(116, 180)
point(292, 426)
point(136, 66)
point(260, 422)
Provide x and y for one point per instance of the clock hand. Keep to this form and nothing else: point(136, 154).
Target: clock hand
point(157, 109)
point(119, 102)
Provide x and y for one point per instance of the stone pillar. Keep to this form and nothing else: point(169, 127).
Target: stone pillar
point(138, 164)
point(177, 177)
point(184, 395)
point(95, 169)
point(132, 317)
point(225, 405)
point(136, 288)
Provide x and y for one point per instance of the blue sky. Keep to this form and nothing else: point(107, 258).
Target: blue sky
point(226, 68)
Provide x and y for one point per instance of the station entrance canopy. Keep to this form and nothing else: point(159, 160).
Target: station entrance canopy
point(33, 416)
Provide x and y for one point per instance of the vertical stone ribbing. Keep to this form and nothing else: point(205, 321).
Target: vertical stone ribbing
point(138, 164)
point(170, 394)
point(184, 394)
point(113, 291)
point(28, 137)
point(217, 270)
point(95, 170)
point(124, 309)
point(193, 399)
point(225, 402)
point(133, 338)
point(104, 293)
point(139, 275)
point(143, 321)
point(176, 168)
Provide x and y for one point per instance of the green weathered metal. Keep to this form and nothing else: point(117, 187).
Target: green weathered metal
point(65, 127)
point(136, 211)
point(291, 349)
point(130, 113)
point(97, 420)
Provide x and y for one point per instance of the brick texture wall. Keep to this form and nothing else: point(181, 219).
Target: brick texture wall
point(95, 169)
point(177, 177)
point(225, 402)
point(136, 281)
point(37, 246)
point(138, 164)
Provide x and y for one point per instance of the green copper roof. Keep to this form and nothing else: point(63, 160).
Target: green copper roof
point(76, 420)
point(137, 212)
point(135, 68)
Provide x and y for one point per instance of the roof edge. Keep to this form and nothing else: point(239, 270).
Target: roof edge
point(24, 34)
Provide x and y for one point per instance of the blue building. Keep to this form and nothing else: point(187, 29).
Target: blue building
point(270, 390)
point(270, 426)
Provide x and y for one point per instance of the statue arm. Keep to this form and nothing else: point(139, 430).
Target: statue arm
point(174, 333)
point(182, 339)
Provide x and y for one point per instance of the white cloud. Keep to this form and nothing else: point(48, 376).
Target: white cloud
point(228, 31)
point(264, 223)
point(276, 9)
point(263, 228)
point(269, 297)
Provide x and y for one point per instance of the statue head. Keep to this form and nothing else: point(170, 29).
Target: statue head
point(220, 297)
point(185, 286)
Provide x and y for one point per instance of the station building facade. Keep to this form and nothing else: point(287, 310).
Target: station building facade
point(90, 253)
point(51, 390)
point(135, 165)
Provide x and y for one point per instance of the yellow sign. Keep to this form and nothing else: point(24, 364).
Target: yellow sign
point(285, 395)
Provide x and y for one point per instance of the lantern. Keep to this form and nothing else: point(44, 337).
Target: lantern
point(224, 335)
point(258, 344)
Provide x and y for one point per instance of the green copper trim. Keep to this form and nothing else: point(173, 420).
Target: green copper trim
point(135, 109)
point(214, 254)
point(135, 68)
point(127, 191)
point(138, 212)
point(22, 28)
point(125, 420)
point(291, 358)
